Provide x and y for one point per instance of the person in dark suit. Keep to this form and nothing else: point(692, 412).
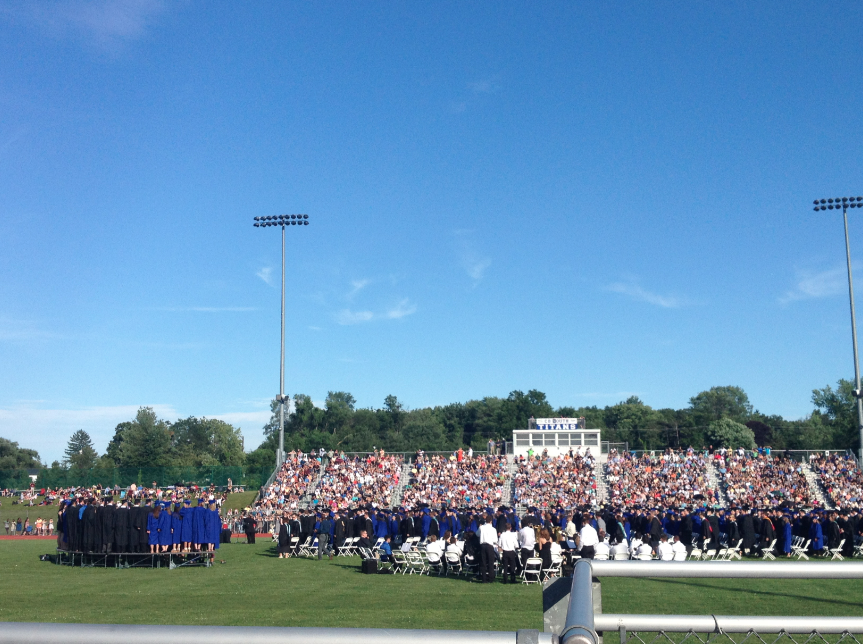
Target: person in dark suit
point(294, 526)
point(284, 538)
point(747, 531)
point(655, 530)
point(121, 527)
point(250, 526)
point(339, 528)
point(685, 533)
point(832, 531)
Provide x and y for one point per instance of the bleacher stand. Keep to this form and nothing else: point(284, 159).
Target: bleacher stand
point(360, 480)
point(841, 478)
point(564, 481)
point(762, 480)
point(446, 480)
point(671, 479)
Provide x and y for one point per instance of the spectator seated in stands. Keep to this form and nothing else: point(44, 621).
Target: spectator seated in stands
point(759, 479)
point(841, 478)
point(366, 480)
point(674, 478)
point(439, 481)
point(565, 481)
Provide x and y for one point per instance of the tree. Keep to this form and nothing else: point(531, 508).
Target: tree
point(207, 441)
point(731, 434)
point(13, 457)
point(147, 441)
point(837, 409)
point(720, 402)
point(79, 452)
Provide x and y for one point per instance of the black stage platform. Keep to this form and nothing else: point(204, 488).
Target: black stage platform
point(133, 559)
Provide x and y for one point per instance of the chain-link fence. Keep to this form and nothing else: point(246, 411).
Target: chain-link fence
point(53, 478)
point(722, 637)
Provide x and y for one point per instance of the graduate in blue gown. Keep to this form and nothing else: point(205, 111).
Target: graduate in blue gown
point(176, 528)
point(816, 534)
point(210, 527)
point(199, 528)
point(186, 528)
point(215, 526)
point(426, 523)
point(153, 528)
point(165, 537)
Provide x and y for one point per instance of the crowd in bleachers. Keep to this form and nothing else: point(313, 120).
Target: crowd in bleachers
point(841, 478)
point(544, 481)
point(358, 480)
point(760, 479)
point(670, 479)
point(297, 473)
point(458, 480)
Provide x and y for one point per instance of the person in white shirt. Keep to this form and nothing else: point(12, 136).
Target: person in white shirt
point(527, 543)
point(635, 544)
point(679, 549)
point(644, 549)
point(570, 529)
point(487, 542)
point(620, 549)
point(435, 548)
point(664, 550)
point(601, 547)
point(589, 538)
point(508, 544)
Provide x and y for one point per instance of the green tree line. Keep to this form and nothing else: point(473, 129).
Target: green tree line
point(720, 415)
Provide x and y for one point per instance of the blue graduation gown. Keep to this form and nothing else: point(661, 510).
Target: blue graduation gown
point(165, 538)
point(426, 524)
point(186, 524)
point(786, 538)
point(209, 527)
point(153, 529)
point(199, 529)
point(817, 536)
point(176, 528)
point(215, 528)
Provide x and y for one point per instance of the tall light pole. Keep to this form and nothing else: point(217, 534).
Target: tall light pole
point(843, 204)
point(284, 221)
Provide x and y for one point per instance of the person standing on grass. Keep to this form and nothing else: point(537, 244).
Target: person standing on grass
point(487, 542)
point(324, 536)
point(508, 544)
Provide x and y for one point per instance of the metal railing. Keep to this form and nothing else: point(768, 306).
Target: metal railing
point(586, 624)
point(38, 633)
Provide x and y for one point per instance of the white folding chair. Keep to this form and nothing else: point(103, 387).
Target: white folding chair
point(644, 557)
point(601, 557)
point(800, 549)
point(453, 563)
point(532, 571)
point(553, 570)
point(767, 553)
point(400, 562)
point(837, 552)
point(621, 556)
point(679, 556)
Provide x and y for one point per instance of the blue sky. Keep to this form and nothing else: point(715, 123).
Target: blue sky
point(590, 199)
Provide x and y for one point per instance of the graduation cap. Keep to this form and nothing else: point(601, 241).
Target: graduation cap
point(187, 502)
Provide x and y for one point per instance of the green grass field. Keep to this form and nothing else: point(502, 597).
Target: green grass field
point(255, 588)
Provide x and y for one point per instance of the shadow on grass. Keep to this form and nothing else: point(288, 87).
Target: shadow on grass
point(766, 593)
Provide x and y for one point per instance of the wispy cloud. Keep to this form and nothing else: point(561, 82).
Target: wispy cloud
point(314, 328)
point(105, 24)
point(47, 430)
point(474, 263)
point(402, 309)
point(636, 292)
point(347, 317)
point(357, 286)
point(12, 330)
point(266, 274)
point(208, 309)
point(817, 285)
point(485, 85)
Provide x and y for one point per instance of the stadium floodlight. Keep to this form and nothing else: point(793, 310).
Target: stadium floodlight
point(284, 221)
point(843, 204)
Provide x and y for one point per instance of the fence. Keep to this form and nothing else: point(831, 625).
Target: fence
point(584, 623)
point(53, 478)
